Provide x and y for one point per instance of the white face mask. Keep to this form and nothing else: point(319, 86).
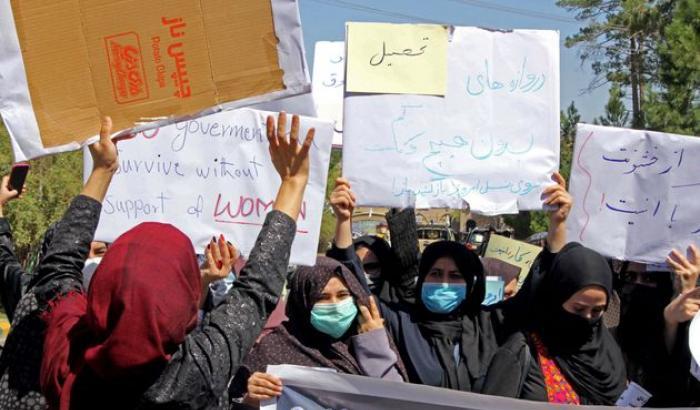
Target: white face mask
point(91, 265)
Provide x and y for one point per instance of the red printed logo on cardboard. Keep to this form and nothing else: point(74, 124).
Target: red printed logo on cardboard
point(126, 67)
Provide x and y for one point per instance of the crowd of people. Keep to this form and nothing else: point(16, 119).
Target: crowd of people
point(146, 324)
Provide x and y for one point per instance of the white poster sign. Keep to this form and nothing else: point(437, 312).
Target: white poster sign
point(320, 389)
point(212, 175)
point(636, 192)
point(492, 142)
point(327, 84)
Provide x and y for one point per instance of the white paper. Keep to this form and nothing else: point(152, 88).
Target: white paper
point(492, 142)
point(635, 192)
point(212, 175)
point(311, 389)
point(694, 369)
point(694, 342)
point(17, 111)
point(634, 396)
point(328, 84)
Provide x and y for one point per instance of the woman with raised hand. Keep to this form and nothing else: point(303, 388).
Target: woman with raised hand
point(333, 323)
point(446, 338)
point(131, 341)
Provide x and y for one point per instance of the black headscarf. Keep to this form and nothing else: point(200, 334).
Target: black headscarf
point(465, 326)
point(586, 353)
point(296, 341)
point(640, 332)
point(383, 286)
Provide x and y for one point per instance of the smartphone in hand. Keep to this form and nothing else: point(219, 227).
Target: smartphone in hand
point(18, 175)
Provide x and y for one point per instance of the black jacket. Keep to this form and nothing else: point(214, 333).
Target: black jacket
point(198, 373)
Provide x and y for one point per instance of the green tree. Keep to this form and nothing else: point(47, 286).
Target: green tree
point(620, 39)
point(616, 114)
point(328, 219)
point(51, 184)
point(674, 104)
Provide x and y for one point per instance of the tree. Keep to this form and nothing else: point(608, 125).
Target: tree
point(616, 114)
point(674, 105)
point(328, 219)
point(620, 41)
point(52, 183)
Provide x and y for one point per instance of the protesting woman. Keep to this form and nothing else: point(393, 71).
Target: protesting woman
point(446, 338)
point(333, 323)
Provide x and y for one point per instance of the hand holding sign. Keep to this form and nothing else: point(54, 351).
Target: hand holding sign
point(291, 162)
point(342, 200)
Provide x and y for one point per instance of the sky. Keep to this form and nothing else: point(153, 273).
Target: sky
point(325, 19)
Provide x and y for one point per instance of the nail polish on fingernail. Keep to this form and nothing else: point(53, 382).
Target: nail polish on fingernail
point(219, 264)
point(229, 243)
point(213, 238)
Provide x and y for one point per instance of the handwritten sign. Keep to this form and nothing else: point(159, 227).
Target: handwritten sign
point(212, 175)
point(328, 84)
point(512, 252)
point(491, 143)
point(636, 192)
point(397, 58)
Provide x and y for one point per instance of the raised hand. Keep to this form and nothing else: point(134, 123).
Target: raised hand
point(342, 199)
point(104, 151)
point(687, 269)
point(291, 161)
point(369, 318)
point(220, 257)
point(557, 195)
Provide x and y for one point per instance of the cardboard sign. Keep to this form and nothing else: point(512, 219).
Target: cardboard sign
point(212, 175)
point(490, 144)
point(140, 61)
point(512, 252)
point(328, 84)
point(396, 58)
point(632, 184)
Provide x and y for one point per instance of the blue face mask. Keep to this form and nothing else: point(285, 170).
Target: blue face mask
point(334, 319)
point(443, 297)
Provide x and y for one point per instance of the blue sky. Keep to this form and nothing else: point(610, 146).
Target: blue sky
point(324, 20)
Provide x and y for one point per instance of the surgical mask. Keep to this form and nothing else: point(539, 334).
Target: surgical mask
point(334, 319)
point(443, 297)
point(89, 269)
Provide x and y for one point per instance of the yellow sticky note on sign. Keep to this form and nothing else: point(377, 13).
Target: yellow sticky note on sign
point(396, 58)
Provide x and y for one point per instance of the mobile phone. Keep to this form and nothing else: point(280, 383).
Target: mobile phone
point(17, 176)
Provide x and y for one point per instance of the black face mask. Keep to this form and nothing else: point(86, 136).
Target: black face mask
point(563, 331)
point(640, 307)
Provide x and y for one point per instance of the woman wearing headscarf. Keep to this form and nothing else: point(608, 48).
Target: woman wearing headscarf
point(446, 338)
point(333, 323)
point(390, 273)
point(643, 295)
point(135, 327)
point(562, 353)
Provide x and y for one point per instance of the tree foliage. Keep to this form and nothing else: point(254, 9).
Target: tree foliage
point(51, 184)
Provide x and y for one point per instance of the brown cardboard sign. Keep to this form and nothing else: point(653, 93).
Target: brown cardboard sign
point(138, 60)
